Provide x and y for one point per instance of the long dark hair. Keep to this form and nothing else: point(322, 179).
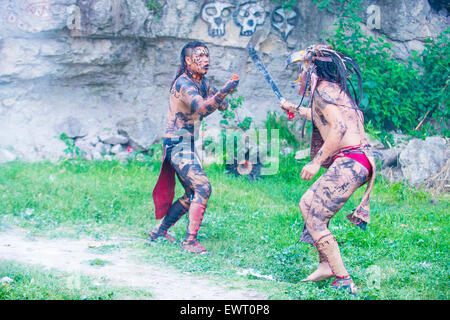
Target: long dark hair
point(182, 68)
point(326, 70)
point(338, 71)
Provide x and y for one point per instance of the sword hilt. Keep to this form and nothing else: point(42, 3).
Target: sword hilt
point(290, 115)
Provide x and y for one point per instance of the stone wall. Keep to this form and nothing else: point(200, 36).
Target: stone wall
point(91, 68)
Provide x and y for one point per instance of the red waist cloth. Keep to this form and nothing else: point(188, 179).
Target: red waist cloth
point(164, 190)
point(353, 152)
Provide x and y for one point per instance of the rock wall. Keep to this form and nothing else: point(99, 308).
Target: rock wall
point(101, 69)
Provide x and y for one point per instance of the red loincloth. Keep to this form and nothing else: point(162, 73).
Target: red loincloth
point(352, 153)
point(164, 190)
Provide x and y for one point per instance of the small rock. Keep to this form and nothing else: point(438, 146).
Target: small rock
point(140, 157)
point(85, 147)
point(286, 150)
point(94, 140)
point(116, 149)
point(6, 280)
point(6, 156)
point(122, 157)
point(302, 154)
point(374, 143)
point(100, 148)
point(390, 157)
point(97, 156)
point(113, 139)
point(392, 174)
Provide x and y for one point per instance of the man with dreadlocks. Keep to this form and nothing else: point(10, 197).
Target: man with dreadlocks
point(192, 97)
point(339, 144)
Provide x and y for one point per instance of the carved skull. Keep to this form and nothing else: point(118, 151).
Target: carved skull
point(216, 15)
point(248, 16)
point(284, 20)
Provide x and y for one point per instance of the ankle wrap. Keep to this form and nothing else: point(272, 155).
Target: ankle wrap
point(328, 247)
point(173, 215)
point(196, 213)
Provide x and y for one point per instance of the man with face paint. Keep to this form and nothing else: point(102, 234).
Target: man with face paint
point(192, 97)
point(339, 144)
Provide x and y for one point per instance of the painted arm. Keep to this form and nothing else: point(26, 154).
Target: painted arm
point(212, 91)
point(192, 97)
point(337, 130)
point(292, 108)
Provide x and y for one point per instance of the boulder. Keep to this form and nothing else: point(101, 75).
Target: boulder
point(141, 133)
point(72, 127)
point(101, 148)
point(389, 157)
point(116, 149)
point(421, 159)
point(408, 20)
point(6, 156)
point(86, 149)
point(113, 139)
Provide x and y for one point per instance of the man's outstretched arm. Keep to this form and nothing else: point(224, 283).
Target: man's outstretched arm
point(292, 108)
point(191, 96)
point(212, 91)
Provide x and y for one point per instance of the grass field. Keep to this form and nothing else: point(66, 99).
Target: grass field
point(256, 225)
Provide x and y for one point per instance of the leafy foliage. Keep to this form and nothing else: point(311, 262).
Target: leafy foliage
point(397, 95)
point(287, 4)
point(284, 127)
point(230, 115)
point(435, 63)
point(72, 151)
point(155, 7)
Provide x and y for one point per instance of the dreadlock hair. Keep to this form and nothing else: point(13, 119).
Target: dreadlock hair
point(333, 66)
point(326, 70)
point(339, 71)
point(182, 68)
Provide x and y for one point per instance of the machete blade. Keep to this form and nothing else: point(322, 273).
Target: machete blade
point(263, 69)
point(254, 39)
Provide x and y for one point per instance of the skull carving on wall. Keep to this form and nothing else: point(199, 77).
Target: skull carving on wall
point(285, 20)
point(248, 16)
point(217, 15)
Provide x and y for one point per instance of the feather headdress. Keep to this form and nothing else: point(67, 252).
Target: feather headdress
point(345, 68)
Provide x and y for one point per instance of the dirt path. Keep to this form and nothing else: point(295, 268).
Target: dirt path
point(73, 256)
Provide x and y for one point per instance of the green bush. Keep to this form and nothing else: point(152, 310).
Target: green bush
point(397, 95)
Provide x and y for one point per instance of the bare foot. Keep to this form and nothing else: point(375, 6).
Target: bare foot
point(155, 234)
point(193, 246)
point(323, 272)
